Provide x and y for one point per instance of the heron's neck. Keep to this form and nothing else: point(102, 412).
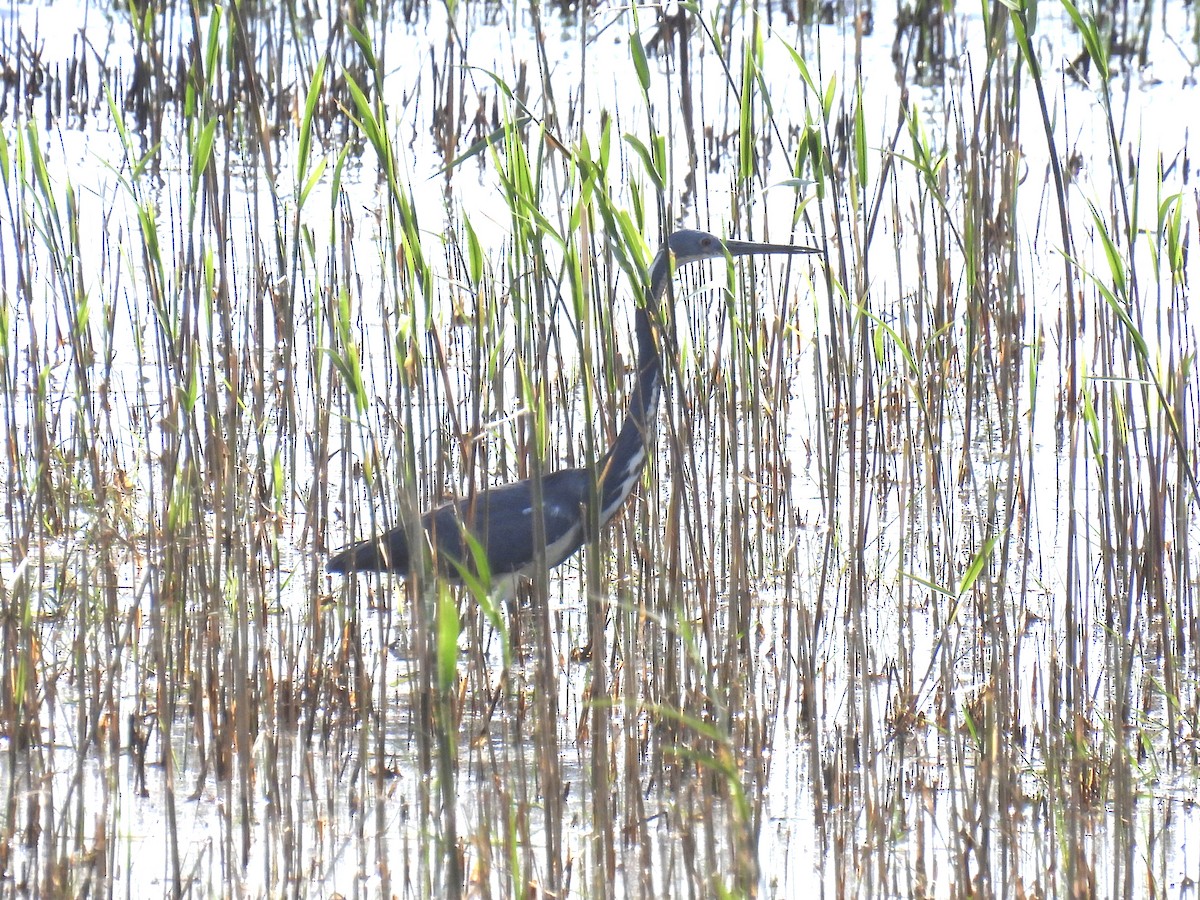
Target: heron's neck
point(621, 466)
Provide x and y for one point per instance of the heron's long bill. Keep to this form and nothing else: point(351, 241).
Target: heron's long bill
point(747, 248)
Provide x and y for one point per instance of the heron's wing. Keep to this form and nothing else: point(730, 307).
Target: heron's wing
point(498, 521)
point(501, 521)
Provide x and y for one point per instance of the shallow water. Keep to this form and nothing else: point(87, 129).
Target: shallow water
point(905, 605)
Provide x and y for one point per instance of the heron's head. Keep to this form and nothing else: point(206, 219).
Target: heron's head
point(691, 246)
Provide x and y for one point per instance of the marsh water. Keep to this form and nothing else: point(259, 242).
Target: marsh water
point(904, 604)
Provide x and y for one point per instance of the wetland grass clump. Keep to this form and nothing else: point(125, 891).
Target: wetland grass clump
point(904, 604)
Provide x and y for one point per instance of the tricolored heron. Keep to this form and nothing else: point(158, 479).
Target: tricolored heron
point(500, 520)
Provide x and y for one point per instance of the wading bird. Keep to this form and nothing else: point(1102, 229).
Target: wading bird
point(499, 522)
